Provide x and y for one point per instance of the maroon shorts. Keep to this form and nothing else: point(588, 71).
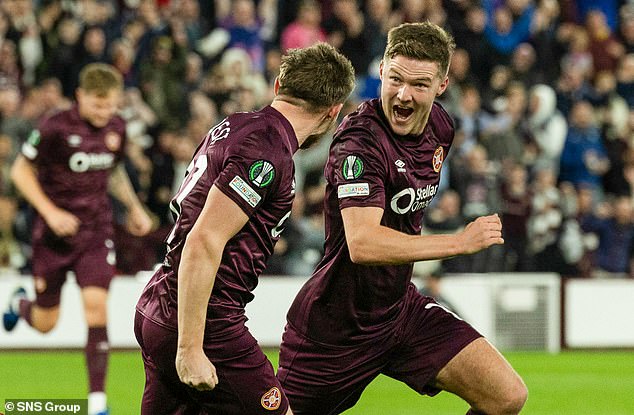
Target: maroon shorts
point(92, 261)
point(246, 380)
point(326, 380)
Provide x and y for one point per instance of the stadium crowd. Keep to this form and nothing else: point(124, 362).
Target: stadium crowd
point(541, 92)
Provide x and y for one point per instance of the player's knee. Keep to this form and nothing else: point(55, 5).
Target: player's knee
point(45, 325)
point(44, 319)
point(512, 402)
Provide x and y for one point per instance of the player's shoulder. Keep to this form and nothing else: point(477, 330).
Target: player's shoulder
point(56, 118)
point(365, 123)
point(118, 122)
point(266, 129)
point(441, 121)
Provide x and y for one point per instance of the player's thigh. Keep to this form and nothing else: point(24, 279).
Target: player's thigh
point(432, 335)
point(163, 393)
point(246, 380)
point(49, 275)
point(322, 380)
point(94, 265)
point(481, 376)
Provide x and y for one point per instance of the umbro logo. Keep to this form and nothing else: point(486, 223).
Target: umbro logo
point(400, 166)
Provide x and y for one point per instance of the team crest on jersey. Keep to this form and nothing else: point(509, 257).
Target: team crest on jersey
point(74, 140)
point(352, 167)
point(439, 156)
point(261, 173)
point(113, 141)
point(272, 399)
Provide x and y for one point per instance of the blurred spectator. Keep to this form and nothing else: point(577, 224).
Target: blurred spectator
point(347, 31)
point(478, 187)
point(514, 213)
point(555, 239)
point(604, 45)
point(547, 46)
point(524, 66)
point(626, 28)
point(162, 81)
point(459, 76)
point(625, 79)
point(583, 159)
point(572, 86)
point(305, 30)
point(63, 49)
point(507, 26)
point(615, 233)
point(504, 136)
point(380, 18)
point(243, 26)
point(12, 121)
point(471, 38)
point(547, 127)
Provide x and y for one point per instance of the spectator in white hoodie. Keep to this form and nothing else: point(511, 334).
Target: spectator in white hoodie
point(547, 126)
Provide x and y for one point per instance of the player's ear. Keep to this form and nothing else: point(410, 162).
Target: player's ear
point(276, 85)
point(443, 86)
point(335, 110)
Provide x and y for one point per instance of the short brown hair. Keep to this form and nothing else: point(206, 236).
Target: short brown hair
point(421, 41)
point(315, 77)
point(100, 78)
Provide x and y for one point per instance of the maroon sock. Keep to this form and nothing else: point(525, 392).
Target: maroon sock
point(25, 310)
point(97, 350)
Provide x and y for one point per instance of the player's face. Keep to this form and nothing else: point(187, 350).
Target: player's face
point(96, 109)
point(408, 89)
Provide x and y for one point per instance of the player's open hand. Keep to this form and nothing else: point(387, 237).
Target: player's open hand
point(195, 370)
point(481, 234)
point(62, 222)
point(139, 222)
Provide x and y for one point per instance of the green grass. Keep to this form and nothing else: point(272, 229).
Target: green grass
point(589, 383)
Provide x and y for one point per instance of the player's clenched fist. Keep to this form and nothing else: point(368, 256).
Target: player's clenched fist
point(482, 233)
point(195, 370)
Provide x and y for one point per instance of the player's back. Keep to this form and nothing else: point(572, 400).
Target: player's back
point(248, 157)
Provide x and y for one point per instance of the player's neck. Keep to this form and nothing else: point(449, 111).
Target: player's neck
point(303, 122)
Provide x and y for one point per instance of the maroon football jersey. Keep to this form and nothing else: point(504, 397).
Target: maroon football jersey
point(369, 166)
point(74, 160)
point(248, 156)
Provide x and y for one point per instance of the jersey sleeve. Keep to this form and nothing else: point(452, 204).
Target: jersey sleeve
point(39, 143)
point(356, 169)
point(250, 172)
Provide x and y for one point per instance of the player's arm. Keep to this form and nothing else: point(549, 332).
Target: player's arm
point(220, 219)
point(24, 177)
point(371, 243)
point(139, 222)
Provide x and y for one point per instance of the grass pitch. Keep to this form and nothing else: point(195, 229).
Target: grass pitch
point(570, 383)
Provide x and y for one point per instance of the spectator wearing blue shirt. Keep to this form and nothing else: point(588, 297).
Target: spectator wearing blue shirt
point(615, 233)
point(584, 159)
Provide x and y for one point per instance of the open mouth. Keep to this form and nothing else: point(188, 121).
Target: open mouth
point(402, 113)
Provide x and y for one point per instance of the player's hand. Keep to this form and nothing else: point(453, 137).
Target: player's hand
point(195, 370)
point(481, 234)
point(62, 222)
point(139, 222)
